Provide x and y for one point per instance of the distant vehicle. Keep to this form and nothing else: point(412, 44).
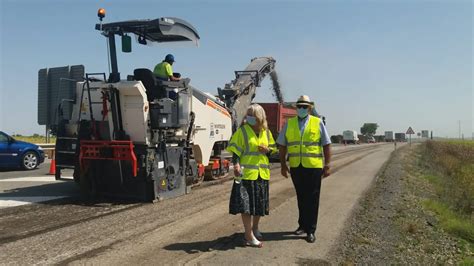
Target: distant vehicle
point(400, 137)
point(389, 136)
point(350, 137)
point(336, 139)
point(15, 153)
point(362, 138)
point(379, 138)
point(370, 139)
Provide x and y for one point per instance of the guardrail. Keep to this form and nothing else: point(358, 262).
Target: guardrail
point(46, 145)
point(48, 149)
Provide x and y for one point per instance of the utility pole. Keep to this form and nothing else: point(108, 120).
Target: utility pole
point(459, 121)
point(46, 135)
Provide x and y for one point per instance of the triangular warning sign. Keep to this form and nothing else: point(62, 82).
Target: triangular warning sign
point(410, 131)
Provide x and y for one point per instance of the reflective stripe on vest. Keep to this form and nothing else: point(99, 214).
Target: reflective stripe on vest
point(304, 149)
point(306, 143)
point(237, 147)
point(305, 155)
point(254, 162)
point(248, 166)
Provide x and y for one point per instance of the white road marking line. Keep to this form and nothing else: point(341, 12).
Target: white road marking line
point(35, 179)
point(18, 201)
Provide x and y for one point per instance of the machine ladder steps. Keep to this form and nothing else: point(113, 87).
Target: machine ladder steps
point(67, 147)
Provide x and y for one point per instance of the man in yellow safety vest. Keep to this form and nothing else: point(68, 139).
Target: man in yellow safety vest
point(164, 70)
point(306, 142)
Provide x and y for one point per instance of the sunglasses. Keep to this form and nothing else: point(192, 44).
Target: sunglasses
point(302, 106)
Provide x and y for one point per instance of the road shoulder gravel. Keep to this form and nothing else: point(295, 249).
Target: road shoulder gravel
point(391, 226)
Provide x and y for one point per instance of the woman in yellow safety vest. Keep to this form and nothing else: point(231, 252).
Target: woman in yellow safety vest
point(251, 144)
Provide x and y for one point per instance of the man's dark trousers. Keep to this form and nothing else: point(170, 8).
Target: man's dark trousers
point(307, 182)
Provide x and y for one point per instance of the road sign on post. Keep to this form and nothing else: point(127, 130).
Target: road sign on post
point(409, 132)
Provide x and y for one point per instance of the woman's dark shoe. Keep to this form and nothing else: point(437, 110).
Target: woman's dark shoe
point(310, 238)
point(299, 231)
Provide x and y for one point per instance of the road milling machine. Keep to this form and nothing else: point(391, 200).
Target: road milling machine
point(140, 137)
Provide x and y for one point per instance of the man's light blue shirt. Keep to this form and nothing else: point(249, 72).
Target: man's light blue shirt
point(325, 140)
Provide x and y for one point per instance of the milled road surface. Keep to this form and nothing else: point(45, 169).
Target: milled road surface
point(195, 228)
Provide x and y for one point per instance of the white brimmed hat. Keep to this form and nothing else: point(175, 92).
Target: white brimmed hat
point(304, 100)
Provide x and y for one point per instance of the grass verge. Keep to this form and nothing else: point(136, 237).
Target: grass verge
point(452, 221)
point(448, 166)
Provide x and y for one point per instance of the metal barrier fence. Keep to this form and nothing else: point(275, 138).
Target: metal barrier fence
point(48, 149)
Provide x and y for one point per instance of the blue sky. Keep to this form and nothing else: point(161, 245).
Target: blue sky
point(396, 63)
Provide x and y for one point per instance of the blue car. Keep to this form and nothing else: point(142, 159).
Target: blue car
point(15, 153)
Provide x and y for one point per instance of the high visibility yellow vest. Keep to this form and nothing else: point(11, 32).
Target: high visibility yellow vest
point(306, 149)
point(245, 144)
point(163, 70)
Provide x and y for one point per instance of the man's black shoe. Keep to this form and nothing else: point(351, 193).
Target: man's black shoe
point(299, 231)
point(310, 238)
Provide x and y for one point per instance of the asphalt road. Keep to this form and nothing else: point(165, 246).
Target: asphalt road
point(20, 187)
point(42, 169)
point(195, 228)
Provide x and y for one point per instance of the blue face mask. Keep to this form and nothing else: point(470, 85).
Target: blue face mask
point(252, 120)
point(302, 113)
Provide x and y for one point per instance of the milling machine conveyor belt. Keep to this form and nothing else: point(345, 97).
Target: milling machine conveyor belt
point(239, 93)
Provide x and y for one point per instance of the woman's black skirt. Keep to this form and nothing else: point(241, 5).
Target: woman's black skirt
point(250, 197)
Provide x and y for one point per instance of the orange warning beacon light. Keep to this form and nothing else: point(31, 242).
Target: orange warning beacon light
point(101, 13)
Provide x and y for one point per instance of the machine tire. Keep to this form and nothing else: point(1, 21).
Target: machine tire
point(87, 185)
point(214, 174)
point(210, 175)
point(227, 169)
point(198, 181)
